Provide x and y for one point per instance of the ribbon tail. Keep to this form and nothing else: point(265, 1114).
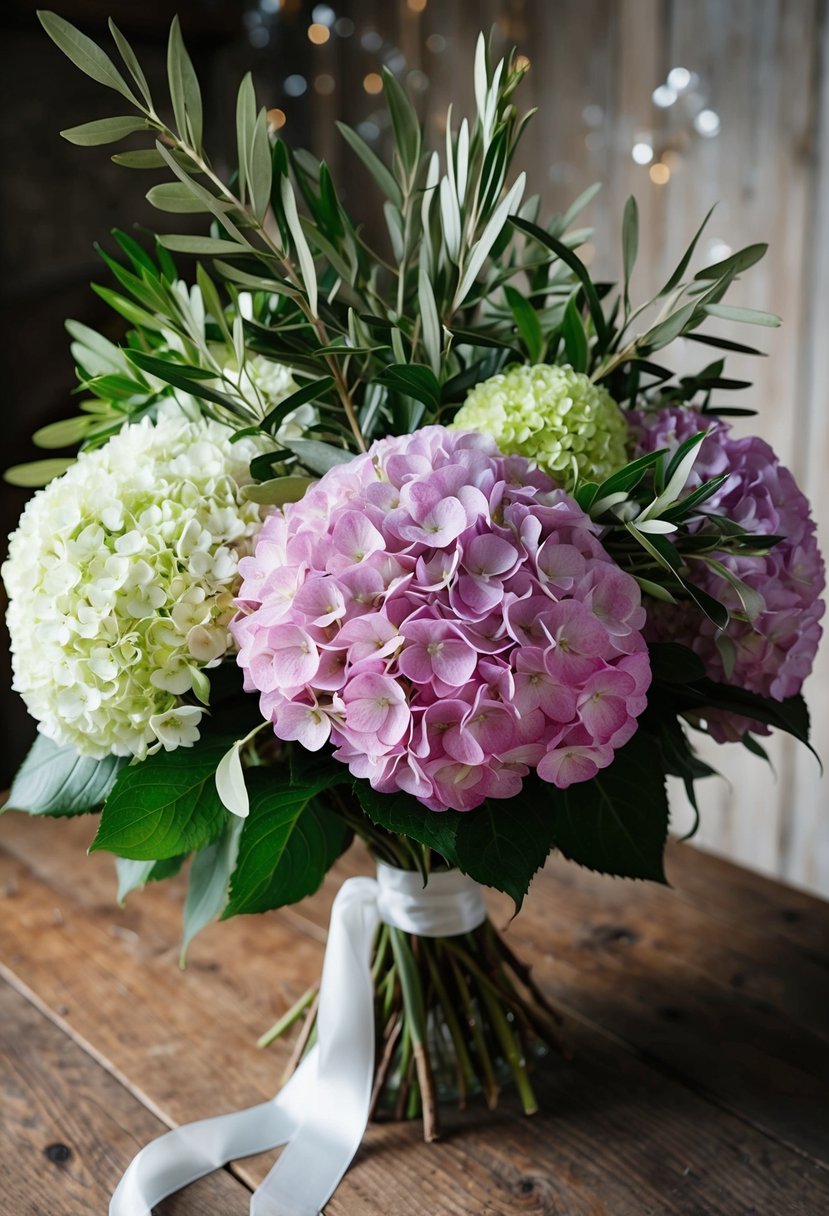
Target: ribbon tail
point(338, 1095)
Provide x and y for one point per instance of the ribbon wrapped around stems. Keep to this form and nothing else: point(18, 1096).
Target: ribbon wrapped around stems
point(320, 1115)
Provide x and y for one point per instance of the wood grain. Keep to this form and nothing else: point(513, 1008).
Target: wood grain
point(69, 1129)
point(708, 1109)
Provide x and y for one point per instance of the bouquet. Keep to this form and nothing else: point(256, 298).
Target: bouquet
point(420, 543)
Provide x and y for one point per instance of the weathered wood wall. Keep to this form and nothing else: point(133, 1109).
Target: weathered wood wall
point(594, 64)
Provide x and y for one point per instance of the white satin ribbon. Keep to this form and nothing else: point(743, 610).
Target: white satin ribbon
point(320, 1115)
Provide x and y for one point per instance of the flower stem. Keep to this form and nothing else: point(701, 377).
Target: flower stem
point(287, 1020)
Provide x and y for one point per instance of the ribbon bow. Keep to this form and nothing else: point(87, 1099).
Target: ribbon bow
point(322, 1112)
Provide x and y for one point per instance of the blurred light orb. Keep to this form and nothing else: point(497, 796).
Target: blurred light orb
point(371, 41)
point(343, 27)
point(663, 96)
point(270, 6)
point(259, 36)
point(642, 153)
point(295, 85)
point(707, 123)
point(678, 79)
point(369, 130)
point(373, 83)
point(436, 43)
point(418, 80)
point(593, 116)
point(416, 6)
point(717, 250)
point(324, 84)
point(318, 34)
point(660, 173)
point(395, 61)
point(321, 14)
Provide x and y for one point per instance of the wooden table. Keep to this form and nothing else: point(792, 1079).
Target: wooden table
point(698, 1020)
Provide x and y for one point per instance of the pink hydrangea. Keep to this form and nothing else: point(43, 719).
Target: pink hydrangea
point(773, 654)
point(448, 619)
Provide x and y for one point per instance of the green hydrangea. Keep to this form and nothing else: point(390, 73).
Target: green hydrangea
point(553, 415)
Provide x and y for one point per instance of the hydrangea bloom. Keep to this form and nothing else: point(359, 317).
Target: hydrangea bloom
point(773, 654)
point(448, 619)
point(553, 415)
point(121, 577)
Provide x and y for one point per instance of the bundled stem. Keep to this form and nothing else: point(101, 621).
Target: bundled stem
point(453, 1016)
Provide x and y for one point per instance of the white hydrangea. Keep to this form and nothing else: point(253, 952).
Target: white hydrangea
point(121, 577)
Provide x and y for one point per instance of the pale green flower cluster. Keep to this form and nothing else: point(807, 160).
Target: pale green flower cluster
point(121, 577)
point(553, 415)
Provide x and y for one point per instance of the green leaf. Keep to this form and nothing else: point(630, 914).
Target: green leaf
point(103, 131)
point(617, 823)
point(202, 245)
point(404, 123)
point(133, 66)
point(207, 891)
point(37, 473)
point(630, 243)
point(245, 123)
point(526, 319)
point(575, 337)
point(85, 54)
point(260, 167)
point(176, 197)
point(165, 805)
point(741, 260)
point(65, 433)
point(317, 457)
point(666, 331)
point(373, 163)
point(278, 491)
point(134, 875)
point(576, 265)
point(141, 158)
point(185, 93)
point(676, 277)
point(55, 780)
point(413, 380)
point(750, 316)
point(288, 843)
point(303, 251)
point(309, 392)
point(675, 664)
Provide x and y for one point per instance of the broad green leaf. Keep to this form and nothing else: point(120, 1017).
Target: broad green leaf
point(85, 54)
point(617, 823)
point(278, 491)
point(403, 815)
point(176, 197)
point(103, 131)
point(288, 843)
point(209, 882)
point(505, 850)
point(372, 162)
point(134, 875)
point(37, 473)
point(529, 326)
point(65, 433)
point(575, 337)
point(317, 457)
point(56, 780)
point(165, 805)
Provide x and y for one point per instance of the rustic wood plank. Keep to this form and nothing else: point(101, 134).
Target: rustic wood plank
point(69, 1129)
point(619, 1136)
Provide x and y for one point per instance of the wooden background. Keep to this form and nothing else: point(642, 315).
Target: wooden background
point(594, 64)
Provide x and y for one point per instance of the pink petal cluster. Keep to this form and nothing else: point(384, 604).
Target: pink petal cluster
point(448, 619)
point(773, 654)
